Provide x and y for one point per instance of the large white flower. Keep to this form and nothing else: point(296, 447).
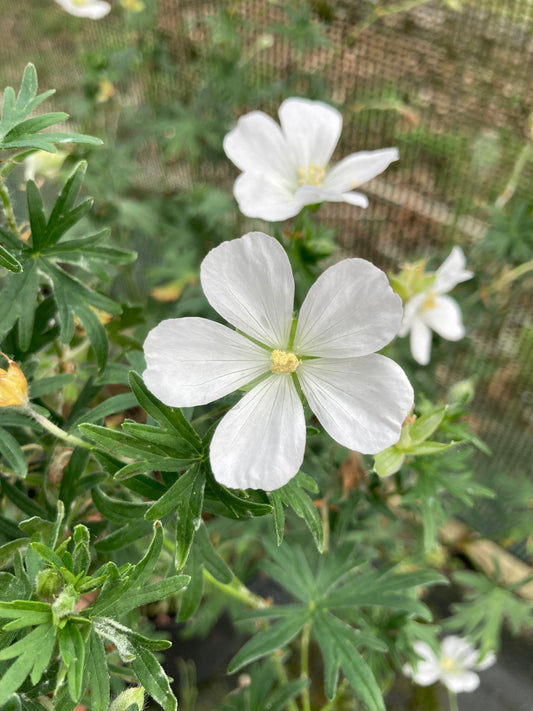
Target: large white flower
point(94, 9)
point(287, 167)
point(360, 398)
point(431, 310)
point(455, 666)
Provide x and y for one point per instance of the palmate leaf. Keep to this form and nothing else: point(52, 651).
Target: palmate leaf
point(294, 495)
point(43, 261)
point(19, 131)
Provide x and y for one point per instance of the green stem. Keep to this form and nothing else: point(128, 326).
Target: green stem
point(452, 701)
point(57, 431)
point(8, 209)
point(304, 665)
point(238, 591)
point(524, 156)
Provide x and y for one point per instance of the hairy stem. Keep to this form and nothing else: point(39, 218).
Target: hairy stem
point(57, 431)
point(8, 209)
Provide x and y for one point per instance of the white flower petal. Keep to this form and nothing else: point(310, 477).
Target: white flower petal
point(420, 341)
point(451, 272)
point(488, 660)
point(312, 130)
point(249, 282)
point(426, 673)
point(425, 652)
point(310, 195)
point(261, 196)
point(193, 361)
point(460, 681)
point(457, 648)
point(351, 310)
point(257, 145)
point(360, 402)
point(410, 312)
point(445, 318)
point(93, 9)
point(260, 443)
point(358, 168)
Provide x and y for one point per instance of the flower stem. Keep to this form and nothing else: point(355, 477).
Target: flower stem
point(304, 665)
point(238, 591)
point(57, 431)
point(8, 209)
point(452, 701)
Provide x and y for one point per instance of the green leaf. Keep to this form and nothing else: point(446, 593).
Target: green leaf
point(168, 417)
point(116, 509)
point(178, 494)
point(36, 215)
point(9, 261)
point(152, 677)
point(334, 636)
point(98, 674)
point(12, 453)
point(431, 447)
point(123, 536)
point(293, 495)
point(267, 641)
point(210, 558)
point(189, 518)
point(150, 593)
point(72, 648)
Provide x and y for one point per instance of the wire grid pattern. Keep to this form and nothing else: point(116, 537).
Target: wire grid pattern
point(452, 89)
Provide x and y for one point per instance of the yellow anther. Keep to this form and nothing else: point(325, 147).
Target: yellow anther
point(283, 362)
point(430, 302)
point(311, 175)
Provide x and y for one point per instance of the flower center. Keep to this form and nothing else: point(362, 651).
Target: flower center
point(312, 175)
point(430, 301)
point(283, 362)
point(448, 663)
point(79, 3)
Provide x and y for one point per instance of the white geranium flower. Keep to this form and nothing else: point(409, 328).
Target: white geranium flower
point(455, 666)
point(430, 310)
point(94, 9)
point(285, 168)
point(360, 398)
point(43, 164)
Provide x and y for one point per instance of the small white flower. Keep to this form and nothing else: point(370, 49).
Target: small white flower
point(455, 666)
point(287, 167)
point(94, 9)
point(360, 398)
point(431, 310)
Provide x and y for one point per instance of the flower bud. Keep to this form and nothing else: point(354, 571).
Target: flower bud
point(13, 385)
point(48, 582)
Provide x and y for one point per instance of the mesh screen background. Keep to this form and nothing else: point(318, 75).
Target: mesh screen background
point(452, 89)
